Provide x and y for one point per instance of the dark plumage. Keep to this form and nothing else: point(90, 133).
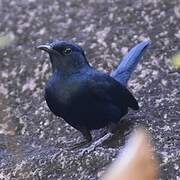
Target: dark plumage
point(84, 97)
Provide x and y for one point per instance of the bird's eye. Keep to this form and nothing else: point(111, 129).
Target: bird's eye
point(67, 51)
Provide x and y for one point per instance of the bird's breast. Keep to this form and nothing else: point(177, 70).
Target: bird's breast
point(60, 95)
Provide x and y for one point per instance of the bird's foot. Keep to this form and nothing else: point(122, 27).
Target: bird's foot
point(87, 135)
point(95, 144)
point(78, 145)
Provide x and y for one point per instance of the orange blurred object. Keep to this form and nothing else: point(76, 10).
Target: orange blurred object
point(136, 162)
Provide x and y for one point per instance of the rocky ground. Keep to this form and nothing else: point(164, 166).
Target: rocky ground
point(34, 144)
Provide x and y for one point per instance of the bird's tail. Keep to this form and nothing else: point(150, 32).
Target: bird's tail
point(129, 63)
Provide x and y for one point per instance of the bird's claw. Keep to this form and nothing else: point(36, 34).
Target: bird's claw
point(78, 145)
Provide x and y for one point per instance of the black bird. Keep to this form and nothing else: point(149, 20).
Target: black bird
point(84, 97)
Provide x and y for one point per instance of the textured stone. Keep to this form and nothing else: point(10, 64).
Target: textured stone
point(34, 144)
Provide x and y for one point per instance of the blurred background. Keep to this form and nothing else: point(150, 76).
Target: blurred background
point(33, 142)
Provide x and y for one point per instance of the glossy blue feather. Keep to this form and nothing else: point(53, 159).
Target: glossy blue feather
point(129, 62)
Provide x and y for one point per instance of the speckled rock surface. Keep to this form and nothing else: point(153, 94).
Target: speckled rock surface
point(34, 144)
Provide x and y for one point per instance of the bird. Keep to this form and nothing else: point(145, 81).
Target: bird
point(84, 97)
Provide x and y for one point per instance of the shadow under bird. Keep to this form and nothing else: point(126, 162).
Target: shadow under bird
point(84, 97)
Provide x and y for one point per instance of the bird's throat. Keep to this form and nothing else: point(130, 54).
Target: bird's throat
point(65, 67)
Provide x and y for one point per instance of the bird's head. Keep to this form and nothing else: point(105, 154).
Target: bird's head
point(65, 56)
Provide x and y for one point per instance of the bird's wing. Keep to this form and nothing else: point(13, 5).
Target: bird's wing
point(106, 88)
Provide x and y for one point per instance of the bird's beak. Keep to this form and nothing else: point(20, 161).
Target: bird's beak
point(46, 48)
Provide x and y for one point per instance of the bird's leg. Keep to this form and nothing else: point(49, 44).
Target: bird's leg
point(112, 127)
point(87, 135)
point(96, 144)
